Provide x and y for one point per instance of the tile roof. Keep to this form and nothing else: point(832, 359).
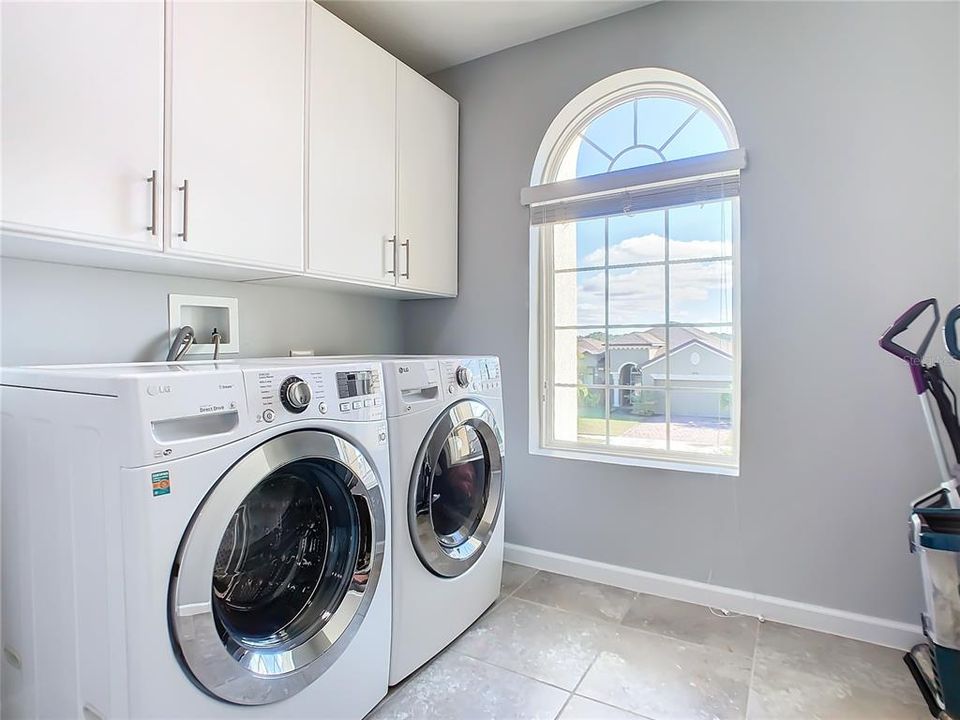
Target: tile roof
point(654, 338)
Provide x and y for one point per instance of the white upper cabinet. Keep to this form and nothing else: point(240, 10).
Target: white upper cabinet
point(237, 131)
point(428, 145)
point(351, 153)
point(82, 116)
point(248, 139)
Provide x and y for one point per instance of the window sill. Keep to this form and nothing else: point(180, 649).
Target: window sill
point(700, 468)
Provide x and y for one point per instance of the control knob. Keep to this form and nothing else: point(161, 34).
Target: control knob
point(464, 376)
point(295, 394)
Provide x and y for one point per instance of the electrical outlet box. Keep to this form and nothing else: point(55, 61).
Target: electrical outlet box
point(203, 314)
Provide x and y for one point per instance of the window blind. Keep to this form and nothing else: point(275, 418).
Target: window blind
point(678, 182)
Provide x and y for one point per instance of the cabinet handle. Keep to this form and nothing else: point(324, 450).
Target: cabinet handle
point(185, 189)
point(392, 241)
point(152, 227)
point(406, 245)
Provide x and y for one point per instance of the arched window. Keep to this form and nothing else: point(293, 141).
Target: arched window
point(634, 211)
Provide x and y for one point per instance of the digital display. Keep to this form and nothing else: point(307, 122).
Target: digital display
point(353, 384)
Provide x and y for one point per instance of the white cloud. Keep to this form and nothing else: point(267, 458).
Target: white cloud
point(637, 294)
point(650, 248)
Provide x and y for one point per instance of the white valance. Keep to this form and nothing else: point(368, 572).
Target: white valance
point(675, 182)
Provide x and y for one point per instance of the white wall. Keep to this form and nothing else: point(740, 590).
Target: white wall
point(849, 113)
point(62, 314)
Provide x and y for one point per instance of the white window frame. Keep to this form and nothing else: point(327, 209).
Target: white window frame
point(593, 101)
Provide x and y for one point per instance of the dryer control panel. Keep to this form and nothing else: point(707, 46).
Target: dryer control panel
point(467, 376)
point(337, 392)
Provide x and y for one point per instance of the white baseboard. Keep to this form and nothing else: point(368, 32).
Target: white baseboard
point(813, 617)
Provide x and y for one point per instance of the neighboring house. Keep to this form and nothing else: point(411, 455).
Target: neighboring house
point(698, 359)
point(627, 352)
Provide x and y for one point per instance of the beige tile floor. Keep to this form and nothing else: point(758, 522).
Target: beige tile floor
point(557, 647)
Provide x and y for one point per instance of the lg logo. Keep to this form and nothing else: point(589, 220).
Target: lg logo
point(159, 389)
point(403, 369)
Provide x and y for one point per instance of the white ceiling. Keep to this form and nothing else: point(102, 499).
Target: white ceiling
point(430, 35)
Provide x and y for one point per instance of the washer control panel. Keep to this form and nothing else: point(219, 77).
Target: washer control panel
point(282, 394)
point(471, 376)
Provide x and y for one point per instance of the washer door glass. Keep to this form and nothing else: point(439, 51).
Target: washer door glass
point(277, 568)
point(288, 554)
point(457, 489)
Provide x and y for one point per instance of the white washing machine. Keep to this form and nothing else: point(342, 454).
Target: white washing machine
point(446, 445)
point(196, 540)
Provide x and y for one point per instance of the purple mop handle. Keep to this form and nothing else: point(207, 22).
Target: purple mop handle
point(913, 358)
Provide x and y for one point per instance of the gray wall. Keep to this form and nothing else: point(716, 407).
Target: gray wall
point(62, 314)
point(849, 113)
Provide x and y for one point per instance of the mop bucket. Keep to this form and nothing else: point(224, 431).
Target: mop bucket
point(935, 538)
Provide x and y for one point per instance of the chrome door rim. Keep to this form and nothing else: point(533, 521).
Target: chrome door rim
point(242, 674)
point(441, 559)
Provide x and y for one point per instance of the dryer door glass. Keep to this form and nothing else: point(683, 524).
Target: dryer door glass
point(278, 568)
point(457, 489)
point(461, 484)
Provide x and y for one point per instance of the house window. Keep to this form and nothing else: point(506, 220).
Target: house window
point(634, 207)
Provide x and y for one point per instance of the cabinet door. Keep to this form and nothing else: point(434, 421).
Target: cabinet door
point(82, 120)
point(237, 116)
point(351, 151)
point(428, 139)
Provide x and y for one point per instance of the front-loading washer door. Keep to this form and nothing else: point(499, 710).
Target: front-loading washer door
point(457, 489)
point(277, 568)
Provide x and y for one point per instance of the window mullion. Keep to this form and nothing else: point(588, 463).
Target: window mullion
point(606, 329)
point(666, 317)
point(548, 334)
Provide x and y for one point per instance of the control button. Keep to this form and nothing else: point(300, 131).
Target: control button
point(376, 401)
point(451, 389)
point(344, 407)
point(464, 376)
point(382, 436)
point(268, 415)
point(357, 404)
point(368, 403)
point(323, 408)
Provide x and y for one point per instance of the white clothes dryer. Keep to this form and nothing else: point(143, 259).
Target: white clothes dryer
point(445, 419)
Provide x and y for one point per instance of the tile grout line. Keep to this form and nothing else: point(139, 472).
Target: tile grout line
point(509, 670)
point(501, 598)
point(574, 692)
point(753, 670)
point(582, 678)
point(517, 588)
point(636, 596)
point(585, 673)
point(564, 706)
